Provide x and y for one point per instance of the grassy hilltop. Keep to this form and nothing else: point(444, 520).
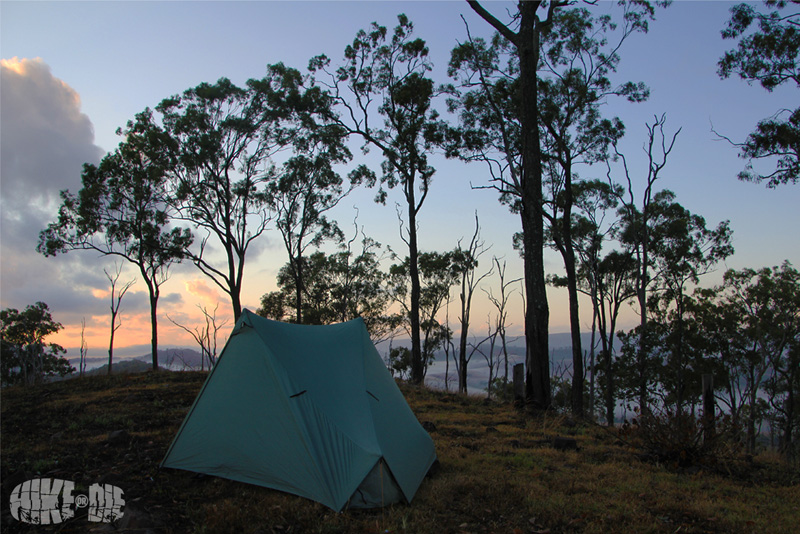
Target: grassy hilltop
point(499, 472)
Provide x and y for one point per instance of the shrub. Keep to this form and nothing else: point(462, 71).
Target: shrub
point(680, 441)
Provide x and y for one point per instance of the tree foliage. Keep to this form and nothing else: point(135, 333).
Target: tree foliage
point(439, 272)
point(530, 110)
point(338, 287)
point(384, 77)
point(223, 137)
point(26, 357)
point(767, 52)
point(122, 210)
point(749, 328)
point(301, 195)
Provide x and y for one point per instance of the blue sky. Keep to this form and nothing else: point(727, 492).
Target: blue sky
point(120, 57)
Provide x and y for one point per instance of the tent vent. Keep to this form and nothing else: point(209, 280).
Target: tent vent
point(297, 394)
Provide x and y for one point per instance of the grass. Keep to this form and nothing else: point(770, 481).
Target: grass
point(498, 471)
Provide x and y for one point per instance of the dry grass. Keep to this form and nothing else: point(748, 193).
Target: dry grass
point(498, 471)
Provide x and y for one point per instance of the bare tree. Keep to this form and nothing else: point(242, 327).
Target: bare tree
point(449, 350)
point(489, 353)
point(467, 262)
point(116, 301)
point(501, 302)
point(84, 348)
point(205, 335)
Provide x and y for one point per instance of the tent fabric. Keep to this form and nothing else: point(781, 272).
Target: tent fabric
point(309, 410)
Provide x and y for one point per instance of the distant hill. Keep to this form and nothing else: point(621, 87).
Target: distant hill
point(179, 359)
point(122, 367)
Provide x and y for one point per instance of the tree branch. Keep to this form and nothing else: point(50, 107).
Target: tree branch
point(496, 24)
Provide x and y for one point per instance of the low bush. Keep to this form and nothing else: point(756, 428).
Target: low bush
point(681, 440)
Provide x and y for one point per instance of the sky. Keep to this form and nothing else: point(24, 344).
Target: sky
point(74, 72)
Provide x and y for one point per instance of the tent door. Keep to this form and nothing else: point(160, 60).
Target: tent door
point(378, 488)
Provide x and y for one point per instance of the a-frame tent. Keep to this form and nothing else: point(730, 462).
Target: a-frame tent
point(309, 410)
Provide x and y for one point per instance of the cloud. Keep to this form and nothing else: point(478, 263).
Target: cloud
point(45, 137)
point(201, 289)
point(44, 142)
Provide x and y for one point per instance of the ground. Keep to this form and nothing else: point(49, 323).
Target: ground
point(498, 472)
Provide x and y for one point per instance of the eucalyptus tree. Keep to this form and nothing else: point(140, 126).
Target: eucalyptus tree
point(780, 288)
point(767, 55)
point(770, 299)
point(606, 279)
point(684, 249)
point(224, 137)
point(122, 211)
point(508, 120)
point(386, 99)
point(751, 325)
point(439, 272)
point(337, 287)
point(360, 286)
point(719, 314)
point(505, 114)
point(681, 248)
point(615, 275)
point(306, 188)
point(26, 357)
point(577, 63)
point(638, 220)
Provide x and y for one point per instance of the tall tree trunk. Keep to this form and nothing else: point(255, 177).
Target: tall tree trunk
point(462, 373)
point(153, 291)
point(679, 358)
point(417, 365)
point(236, 299)
point(154, 328)
point(505, 354)
point(575, 324)
point(592, 354)
point(537, 313)
point(235, 272)
point(111, 340)
point(447, 371)
point(641, 294)
point(568, 253)
point(299, 287)
point(609, 374)
point(751, 418)
point(462, 346)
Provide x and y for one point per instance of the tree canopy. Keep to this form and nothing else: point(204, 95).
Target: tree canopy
point(26, 357)
point(123, 210)
point(767, 52)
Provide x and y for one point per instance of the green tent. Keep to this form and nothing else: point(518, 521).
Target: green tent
point(309, 410)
